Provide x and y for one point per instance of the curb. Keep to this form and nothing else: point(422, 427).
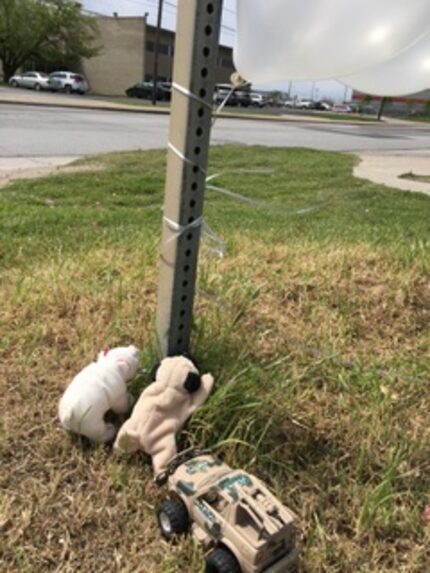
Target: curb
point(132, 109)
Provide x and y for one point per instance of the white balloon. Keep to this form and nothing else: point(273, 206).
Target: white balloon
point(323, 39)
point(407, 73)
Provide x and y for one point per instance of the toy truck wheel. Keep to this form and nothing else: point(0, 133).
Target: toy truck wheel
point(172, 516)
point(222, 561)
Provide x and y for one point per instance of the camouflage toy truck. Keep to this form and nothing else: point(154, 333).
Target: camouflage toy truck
point(240, 524)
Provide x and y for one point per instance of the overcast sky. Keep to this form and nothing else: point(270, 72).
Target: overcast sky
point(319, 90)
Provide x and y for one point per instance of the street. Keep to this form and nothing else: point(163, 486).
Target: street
point(28, 131)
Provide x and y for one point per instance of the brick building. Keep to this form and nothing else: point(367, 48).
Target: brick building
point(127, 56)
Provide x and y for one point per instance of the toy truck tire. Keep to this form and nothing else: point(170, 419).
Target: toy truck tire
point(222, 560)
point(173, 519)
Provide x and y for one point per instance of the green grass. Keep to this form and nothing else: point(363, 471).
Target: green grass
point(314, 324)
point(419, 118)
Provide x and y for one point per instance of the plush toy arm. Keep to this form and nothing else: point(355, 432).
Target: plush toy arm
point(153, 390)
point(202, 395)
point(127, 440)
point(169, 398)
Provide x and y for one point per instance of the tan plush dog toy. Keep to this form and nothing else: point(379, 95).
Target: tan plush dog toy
point(162, 410)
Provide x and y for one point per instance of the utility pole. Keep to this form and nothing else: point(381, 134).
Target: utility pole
point(157, 51)
point(196, 53)
point(144, 22)
point(381, 107)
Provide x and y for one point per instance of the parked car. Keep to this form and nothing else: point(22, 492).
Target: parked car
point(323, 106)
point(143, 90)
point(243, 98)
point(290, 103)
point(341, 108)
point(68, 82)
point(237, 98)
point(221, 91)
point(240, 524)
point(305, 104)
point(32, 80)
point(257, 100)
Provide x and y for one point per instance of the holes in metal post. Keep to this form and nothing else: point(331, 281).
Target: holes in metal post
point(204, 72)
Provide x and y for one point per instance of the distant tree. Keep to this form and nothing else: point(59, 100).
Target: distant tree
point(47, 31)
point(275, 98)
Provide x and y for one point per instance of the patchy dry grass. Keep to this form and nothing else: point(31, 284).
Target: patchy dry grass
point(316, 327)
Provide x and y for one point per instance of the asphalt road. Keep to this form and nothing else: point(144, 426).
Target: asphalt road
point(30, 131)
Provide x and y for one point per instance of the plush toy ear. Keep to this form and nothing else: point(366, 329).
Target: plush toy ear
point(192, 383)
point(153, 374)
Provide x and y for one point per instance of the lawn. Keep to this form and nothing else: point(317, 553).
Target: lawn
point(315, 325)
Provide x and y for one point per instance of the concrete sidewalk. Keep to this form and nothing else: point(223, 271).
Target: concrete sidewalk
point(12, 168)
point(386, 168)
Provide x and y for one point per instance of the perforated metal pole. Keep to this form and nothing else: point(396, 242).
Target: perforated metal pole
point(196, 53)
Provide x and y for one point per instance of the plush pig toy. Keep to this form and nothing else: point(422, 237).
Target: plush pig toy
point(162, 410)
point(99, 387)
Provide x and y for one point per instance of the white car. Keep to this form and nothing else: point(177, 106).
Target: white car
point(290, 103)
point(341, 108)
point(305, 104)
point(68, 82)
point(32, 80)
point(257, 100)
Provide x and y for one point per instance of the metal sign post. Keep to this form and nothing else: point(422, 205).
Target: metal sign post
point(196, 53)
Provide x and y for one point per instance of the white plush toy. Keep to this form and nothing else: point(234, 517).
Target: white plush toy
point(99, 387)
